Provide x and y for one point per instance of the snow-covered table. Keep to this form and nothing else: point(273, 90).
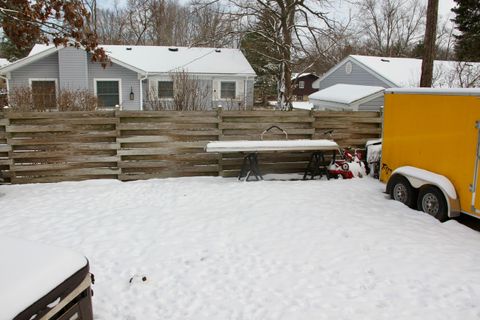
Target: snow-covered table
point(253, 147)
point(38, 281)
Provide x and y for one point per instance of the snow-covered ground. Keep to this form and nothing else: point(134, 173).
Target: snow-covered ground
point(214, 248)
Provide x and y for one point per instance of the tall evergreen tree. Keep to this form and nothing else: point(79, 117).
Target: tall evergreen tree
point(468, 23)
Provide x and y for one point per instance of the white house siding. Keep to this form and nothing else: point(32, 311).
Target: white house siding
point(358, 76)
point(129, 80)
point(44, 68)
point(210, 87)
point(72, 69)
point(244, 93)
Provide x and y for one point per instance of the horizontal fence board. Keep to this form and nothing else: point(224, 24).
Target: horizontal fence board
point(5, 148)
point(58, 115)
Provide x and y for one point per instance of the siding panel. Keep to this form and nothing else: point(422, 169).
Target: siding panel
point(129, 78)
point(358, 76)
point(44, 68)
point(73, 69)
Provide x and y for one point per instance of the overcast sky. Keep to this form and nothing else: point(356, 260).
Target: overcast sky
point(443, 9)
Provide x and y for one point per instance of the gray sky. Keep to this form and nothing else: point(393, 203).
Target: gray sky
point(443, 9)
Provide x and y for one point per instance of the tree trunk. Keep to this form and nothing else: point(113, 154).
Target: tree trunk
point(429, 43)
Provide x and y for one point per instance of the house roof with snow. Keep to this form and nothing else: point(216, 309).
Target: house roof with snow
point(160, 59)
point(300, 75)
point(405, 72)
point(3, 62)
point(345, 96)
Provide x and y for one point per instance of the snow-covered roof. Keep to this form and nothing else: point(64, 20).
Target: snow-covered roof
point(405, 72)
point(345, 93)
point(299, 75)
point(161, 59)
point(304, 105)
point(30, 270)
point(3, 62)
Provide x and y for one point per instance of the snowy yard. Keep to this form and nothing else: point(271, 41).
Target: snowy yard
point(214, 248)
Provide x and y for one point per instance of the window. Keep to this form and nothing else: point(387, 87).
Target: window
point(165, 89)
point(301, 84)
point(228, 90)
point(108, 92)
point(44, 94)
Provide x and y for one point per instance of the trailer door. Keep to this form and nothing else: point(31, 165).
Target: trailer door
point(475, 186)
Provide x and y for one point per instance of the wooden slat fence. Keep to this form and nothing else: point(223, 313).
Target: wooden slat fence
point(59, 146)
point(132, 145)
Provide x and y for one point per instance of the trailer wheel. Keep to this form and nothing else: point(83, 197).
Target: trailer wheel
point(401, 190)
point(432, 201)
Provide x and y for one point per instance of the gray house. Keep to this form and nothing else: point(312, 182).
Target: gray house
point(138, 77)
point(395, 73)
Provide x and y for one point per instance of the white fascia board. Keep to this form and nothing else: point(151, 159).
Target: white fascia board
point(128, 66)
point(333, 69)
point(368, 98)
point(207, 75)
point(27, 60)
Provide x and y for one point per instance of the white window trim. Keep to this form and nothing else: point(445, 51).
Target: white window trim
point(95, 80)
point(30, 80)
point(301, 84)
point(236, 90)
point(165, 98)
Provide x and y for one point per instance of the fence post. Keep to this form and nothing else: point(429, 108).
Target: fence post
point(8, 137)
point(116, 115)
point(220, 137)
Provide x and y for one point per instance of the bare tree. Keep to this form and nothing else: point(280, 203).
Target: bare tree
point(288, 24)
point(430, 39)
point(390, 27)
point(189, 94)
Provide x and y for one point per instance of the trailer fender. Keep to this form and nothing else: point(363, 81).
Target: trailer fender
point(420, 177)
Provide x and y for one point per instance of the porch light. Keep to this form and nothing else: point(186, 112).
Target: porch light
point(132, 95)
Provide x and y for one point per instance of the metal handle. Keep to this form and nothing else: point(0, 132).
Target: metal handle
point(272, 127)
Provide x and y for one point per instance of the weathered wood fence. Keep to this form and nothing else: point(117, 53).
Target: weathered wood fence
point(131, 145)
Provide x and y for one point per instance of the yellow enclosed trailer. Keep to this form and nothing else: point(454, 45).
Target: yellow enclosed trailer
point(430, 150)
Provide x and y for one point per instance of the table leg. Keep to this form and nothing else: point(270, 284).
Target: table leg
point(250, 167)
point(314, 167)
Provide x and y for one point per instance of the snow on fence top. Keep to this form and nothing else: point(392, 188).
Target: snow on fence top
point(270, 145)
point(30, 270)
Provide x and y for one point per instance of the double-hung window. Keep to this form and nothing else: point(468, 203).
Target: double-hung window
point(44, 94)
point(165, 89)
point(228, 90)
point(108, 92)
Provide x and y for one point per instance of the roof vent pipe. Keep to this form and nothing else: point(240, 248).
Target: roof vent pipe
point(384, 60)
point(129, 48)
point(218, 50)
point(173, 49)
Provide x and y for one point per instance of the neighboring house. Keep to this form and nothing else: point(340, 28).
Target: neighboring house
point(347, 97)
point(137, 74)
point(397, 72)
point(303, 85)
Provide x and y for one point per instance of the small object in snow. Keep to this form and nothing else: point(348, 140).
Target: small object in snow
point(173, 49)
point(144, 278)
point(218, 50)
point(129, 49)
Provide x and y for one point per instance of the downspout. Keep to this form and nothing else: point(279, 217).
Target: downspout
point(8, 85)
point(245, 94)
point(141, 90)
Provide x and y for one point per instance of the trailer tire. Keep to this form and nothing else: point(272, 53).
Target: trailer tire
point(401, 190)
point(432, 201)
